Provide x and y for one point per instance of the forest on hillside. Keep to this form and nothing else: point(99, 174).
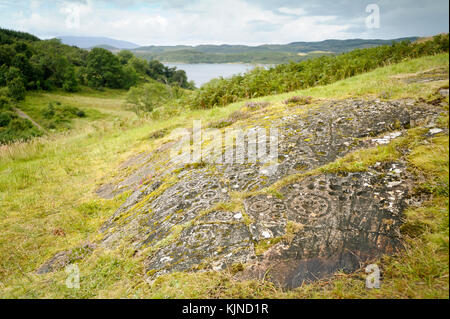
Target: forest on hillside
point(30, 64)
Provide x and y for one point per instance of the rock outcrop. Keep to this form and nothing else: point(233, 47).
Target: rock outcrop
point(213, 216)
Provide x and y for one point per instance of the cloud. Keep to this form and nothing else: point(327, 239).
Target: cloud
point(229, 21)
point(293, 11)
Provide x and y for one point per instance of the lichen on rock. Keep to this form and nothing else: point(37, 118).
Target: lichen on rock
point(320, 223)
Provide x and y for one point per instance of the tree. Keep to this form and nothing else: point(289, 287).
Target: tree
point(141, 66)
point(164, 74)
point(148, 97)
point(103, 69)
point(156, 69)
point(3, 74)
point(6, 54)
point(70, 80)
point(16, 89)
point(22, 63)
point(180, 78)
point(130, 77)
point(125, 56)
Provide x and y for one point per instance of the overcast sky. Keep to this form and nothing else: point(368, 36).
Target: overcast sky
point(252, 22)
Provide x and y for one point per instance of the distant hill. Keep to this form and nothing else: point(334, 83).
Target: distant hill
point(90, 42)
point(268, 53)
point(336, 46)
point(225, 53)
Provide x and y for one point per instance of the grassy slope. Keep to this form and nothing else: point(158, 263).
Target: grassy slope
point(48, 183)
point(97, 105)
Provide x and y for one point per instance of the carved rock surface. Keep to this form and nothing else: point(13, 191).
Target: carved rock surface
point(342, 221)
point(318, 225)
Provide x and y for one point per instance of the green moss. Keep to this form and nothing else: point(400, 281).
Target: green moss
point(159, 133)
point(413, 229)
point(264, 245)
point(292, 229)
point(235, 268)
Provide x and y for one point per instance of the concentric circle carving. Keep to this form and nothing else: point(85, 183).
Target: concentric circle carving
point(309, 205)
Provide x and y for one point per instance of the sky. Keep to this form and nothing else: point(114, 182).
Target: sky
point(250, 22)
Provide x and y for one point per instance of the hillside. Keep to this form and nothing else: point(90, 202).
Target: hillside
point(361, 176)
point(9, 36)
point(90, 42)
point(270, 54)
point(30, 65)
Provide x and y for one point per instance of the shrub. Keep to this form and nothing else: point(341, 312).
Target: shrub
point(257, 105)
point(158, 134)
point(19, 124)
point(58, 114)
point(148, 98)
point(298, 100)
point(4, 103)
point(6, 118)
point(220, 123)
point(18, 129)
point(238, 115)
point(81, 113)
point(70, 81)
point(16, 89)
point(230, 120)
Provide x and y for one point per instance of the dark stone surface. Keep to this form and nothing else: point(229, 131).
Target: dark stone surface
point(344, 221)
point(341, 220)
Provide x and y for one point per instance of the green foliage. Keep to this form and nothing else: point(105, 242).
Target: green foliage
point(147, 98)
point(141, 66)
point(60, 116)
point(70, 81)
point(39, 64)
point(103, 69)
point(27, 63)
point(4, 103)
point(9, 36)
point(16, 89)
point(12, 127)
point(314, 72)
point(6, 118)
point(159, 72)
point(156, 100)
point(125, 56)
